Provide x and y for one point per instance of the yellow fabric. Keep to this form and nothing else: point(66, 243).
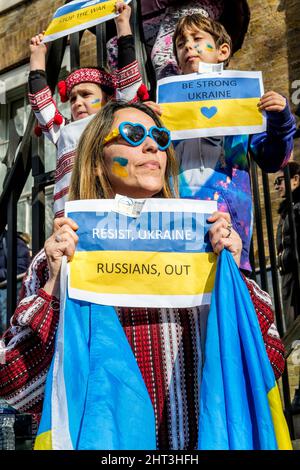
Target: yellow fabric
point(281, 430)
point(43, 441)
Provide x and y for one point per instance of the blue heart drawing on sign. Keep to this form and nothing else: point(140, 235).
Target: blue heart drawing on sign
point(209, 112)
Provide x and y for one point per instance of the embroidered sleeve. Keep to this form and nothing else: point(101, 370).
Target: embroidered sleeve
point(49, 118)
point(26, 353)
point(128, 81)
point(263, 307)
point(27, 346)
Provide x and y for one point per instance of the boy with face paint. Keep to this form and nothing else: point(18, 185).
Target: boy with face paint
point(87, 89)
point(217, 167)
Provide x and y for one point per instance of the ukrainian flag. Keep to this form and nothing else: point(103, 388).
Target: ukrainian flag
point(240, 407)
point(96, 399)
point(95, 396)
point(79, 15)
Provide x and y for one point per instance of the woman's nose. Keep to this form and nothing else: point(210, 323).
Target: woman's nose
point(150, 145)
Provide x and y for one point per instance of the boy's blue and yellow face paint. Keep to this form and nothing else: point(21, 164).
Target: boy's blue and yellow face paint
point(209, 47)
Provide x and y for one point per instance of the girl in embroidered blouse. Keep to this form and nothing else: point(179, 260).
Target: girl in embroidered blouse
point(87, 89)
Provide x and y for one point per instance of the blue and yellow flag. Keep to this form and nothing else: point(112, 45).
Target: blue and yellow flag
point(78, 15)
point(240, 407)
point(202, 105)
point(96, 399)
point(95, 396)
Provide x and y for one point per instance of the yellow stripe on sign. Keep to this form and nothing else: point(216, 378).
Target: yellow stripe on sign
point(209, 114)
point(43, 441)
point(80, 17)
point(280, 427)
point(139, 272)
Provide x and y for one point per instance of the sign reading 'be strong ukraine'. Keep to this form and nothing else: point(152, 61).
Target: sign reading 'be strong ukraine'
point(162, 258)
point(202, 105)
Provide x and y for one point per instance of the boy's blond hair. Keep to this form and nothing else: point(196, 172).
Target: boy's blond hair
point(199, 22)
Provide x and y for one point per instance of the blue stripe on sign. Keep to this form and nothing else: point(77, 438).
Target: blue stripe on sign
point(207, 89)
point(70, 8)
point(155, 231)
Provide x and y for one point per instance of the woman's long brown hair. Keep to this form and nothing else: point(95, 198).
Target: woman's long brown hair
point(85, 183)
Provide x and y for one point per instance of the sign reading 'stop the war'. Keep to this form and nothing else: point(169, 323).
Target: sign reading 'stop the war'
point(78, 15)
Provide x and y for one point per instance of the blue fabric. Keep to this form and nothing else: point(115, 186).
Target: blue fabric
point(108, 403)
point(117, 400)
point(234, 410)
point(45, 423)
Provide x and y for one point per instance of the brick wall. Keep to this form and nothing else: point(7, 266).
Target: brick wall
point(293, 373)
point(19, 24)
point(293, 38)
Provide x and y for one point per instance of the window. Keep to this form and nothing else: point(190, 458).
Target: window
point(14, 116)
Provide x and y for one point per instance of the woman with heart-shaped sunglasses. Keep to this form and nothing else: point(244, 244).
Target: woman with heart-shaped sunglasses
point(125, 150)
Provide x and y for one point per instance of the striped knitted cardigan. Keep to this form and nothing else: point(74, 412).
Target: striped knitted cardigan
point(168, 345)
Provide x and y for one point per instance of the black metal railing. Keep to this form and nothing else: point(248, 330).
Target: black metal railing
point(30, 157)
point(264, 212)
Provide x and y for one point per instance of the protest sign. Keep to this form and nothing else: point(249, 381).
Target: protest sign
point(78, 15)
point(162, 258)
point(202, 105)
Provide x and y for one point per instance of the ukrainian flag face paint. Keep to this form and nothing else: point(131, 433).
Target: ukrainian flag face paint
point(85, 99)
point(135, 171)
point(96, 103)
point(119, 167)
point(209, 47)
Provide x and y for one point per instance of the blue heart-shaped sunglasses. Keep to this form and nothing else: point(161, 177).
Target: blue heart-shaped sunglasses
point(135, 134)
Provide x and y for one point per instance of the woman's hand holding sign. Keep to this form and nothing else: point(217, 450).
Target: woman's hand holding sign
point(222, 235)
point(62, 242)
